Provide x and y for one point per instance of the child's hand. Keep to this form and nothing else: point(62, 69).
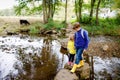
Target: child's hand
point(84, 50)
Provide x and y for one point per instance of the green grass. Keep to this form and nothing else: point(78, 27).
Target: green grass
point(37, 27)
point(54, 25)
point(103, 29)
point(108, 26)
point(97, 30)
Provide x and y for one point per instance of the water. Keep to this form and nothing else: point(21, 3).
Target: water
point(26, 58)
point(38, 58)
point(107, 68)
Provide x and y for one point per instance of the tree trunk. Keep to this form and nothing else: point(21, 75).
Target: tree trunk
point(66, 11)
point(97, 10)
point(44, 11)
point(76, 9)
point(48, 10)
point(91, 11)
point(80, 10)
point(53, 10)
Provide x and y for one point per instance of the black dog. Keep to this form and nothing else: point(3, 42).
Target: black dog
point(24, 22)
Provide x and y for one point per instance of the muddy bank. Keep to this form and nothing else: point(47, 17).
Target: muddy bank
point(103, 46)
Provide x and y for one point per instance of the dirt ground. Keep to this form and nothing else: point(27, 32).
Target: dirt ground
point(104, 46)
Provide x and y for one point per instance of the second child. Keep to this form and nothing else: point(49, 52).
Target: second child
point(71, 50)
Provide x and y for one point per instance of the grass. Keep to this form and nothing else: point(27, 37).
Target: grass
point(108, 30)
point(54, 25)
point(109, 26)
point(37, 27)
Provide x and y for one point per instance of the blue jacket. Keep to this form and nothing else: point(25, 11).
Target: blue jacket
point(81, 42)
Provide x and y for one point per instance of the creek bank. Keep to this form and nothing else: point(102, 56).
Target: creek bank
point(103, 46)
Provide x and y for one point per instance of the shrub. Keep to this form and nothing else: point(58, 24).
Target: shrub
point(34, 30)
point(85, 19)
point(49, 25)
point(54, 25)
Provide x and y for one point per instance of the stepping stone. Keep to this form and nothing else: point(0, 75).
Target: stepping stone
point(64, 74)
point(84, 71)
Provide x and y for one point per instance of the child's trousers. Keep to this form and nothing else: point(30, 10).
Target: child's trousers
point(71, 57)
point(79, 52)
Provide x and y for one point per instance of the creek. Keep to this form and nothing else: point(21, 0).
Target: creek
point(39, 58)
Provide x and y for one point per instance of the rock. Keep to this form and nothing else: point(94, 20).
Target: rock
point(30, 40)
point(63, 42)
point(24, 30)
point(11, 33)
point(63, 31)
point(67, 66)
point(105, 47)
point(63, 50)
point(64, 74)
point(48, 32)
point(54, 31)
point(84, 71)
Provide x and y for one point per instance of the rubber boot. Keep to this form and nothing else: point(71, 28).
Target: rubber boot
point(81, 63)
point(74, 68)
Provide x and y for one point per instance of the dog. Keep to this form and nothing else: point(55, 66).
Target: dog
point(24, 22)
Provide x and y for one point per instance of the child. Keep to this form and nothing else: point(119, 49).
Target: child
point(71, 50)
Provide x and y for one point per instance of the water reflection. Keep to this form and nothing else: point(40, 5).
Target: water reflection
point(26, 58)
point(29, 58)
point(108, 68)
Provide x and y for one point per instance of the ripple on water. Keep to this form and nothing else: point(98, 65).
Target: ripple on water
point(25, 56)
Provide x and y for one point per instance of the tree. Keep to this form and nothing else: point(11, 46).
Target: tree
point(117, 4)
point(66, 10)
point(27, 7)
point(47, 7)
point(97, 10)
point(78, 9)
point(91, 11)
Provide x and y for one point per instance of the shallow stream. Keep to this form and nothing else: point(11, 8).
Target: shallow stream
point(39, 58)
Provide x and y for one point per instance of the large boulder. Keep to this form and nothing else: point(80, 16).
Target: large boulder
point(65, 74)
point(84, 71)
